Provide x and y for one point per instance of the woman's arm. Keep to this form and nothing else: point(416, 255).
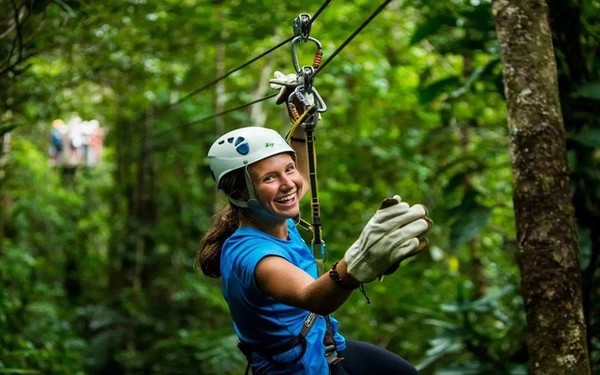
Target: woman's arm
point(394, 233)
point(298, 143)
point(289, 284)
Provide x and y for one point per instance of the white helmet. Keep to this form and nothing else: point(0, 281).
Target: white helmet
point(241, 147)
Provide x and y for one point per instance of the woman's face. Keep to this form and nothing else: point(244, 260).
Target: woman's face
point(278, 184)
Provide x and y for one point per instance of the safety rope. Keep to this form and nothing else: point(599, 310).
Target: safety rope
point(308, 120)
point(305, 77)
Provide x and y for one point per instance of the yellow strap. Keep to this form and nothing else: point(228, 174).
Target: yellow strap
point(297, 123)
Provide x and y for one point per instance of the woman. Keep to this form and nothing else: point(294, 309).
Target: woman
point(269, 276)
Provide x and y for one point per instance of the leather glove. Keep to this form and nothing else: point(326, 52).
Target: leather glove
point(287, 84)
point(391, 235)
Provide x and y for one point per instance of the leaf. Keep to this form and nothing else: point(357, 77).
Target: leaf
point(587, 136)
point(437, 88)
point(454, 182)
point(7, 128)
point(485, 304)
point(439, 348)
point(431, 27)
point(471, 218)
point(589, 91)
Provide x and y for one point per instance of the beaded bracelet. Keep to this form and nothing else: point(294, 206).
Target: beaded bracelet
point(335, 276)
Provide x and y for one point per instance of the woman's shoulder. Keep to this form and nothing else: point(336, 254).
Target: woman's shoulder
point(250, 241)
point(250, 234)
point(243, 251)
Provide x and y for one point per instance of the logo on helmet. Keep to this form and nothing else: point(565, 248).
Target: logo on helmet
point(240, 144)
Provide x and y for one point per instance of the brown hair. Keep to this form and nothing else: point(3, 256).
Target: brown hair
point(227, 221)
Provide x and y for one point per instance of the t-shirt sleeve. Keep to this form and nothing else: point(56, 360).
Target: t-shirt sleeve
point(251, 255)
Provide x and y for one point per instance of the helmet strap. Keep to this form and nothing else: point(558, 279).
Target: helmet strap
point(252, 203)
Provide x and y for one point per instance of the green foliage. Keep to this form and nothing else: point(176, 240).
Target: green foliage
point(474, 326)
point(6, 128)
point(37, 335)
point(96, 264)
point(470, 219)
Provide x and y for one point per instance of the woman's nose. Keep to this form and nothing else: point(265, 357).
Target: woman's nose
point(287, 181)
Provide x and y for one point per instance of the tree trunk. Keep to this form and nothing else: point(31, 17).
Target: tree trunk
point(546, 231)
point(132, 268)
point(4, 197)
point(570, 37)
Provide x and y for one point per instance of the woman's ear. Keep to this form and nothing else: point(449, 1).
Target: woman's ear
point(234, 185)
point(241, 194)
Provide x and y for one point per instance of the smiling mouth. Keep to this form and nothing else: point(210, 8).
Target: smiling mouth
point(286, 199)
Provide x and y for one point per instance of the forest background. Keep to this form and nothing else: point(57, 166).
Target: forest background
point(96, 263)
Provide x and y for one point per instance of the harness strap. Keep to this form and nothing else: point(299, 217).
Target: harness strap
point(329, 342)
point(271, 351)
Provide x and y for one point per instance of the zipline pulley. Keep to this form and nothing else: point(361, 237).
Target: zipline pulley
point(301, 26)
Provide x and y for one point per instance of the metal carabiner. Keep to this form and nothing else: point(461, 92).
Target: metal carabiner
point(321, 106)
point(306, 77)
point(301, 94)
point(318, 55)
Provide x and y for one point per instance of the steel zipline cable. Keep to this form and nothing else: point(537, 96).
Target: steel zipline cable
point(265, 53)
point(325, 63)
point(353, 35)
point(200, 89)
point(231, 110)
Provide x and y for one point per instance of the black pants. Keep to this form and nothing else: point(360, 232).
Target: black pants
point(361, 358)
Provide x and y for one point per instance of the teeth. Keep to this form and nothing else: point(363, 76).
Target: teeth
point(287, 198)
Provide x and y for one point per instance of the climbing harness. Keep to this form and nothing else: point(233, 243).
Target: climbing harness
point(270, 352)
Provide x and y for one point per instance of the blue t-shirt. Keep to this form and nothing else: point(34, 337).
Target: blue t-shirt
point(261, 320)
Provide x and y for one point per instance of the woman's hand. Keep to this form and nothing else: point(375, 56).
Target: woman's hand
point(393, 234)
